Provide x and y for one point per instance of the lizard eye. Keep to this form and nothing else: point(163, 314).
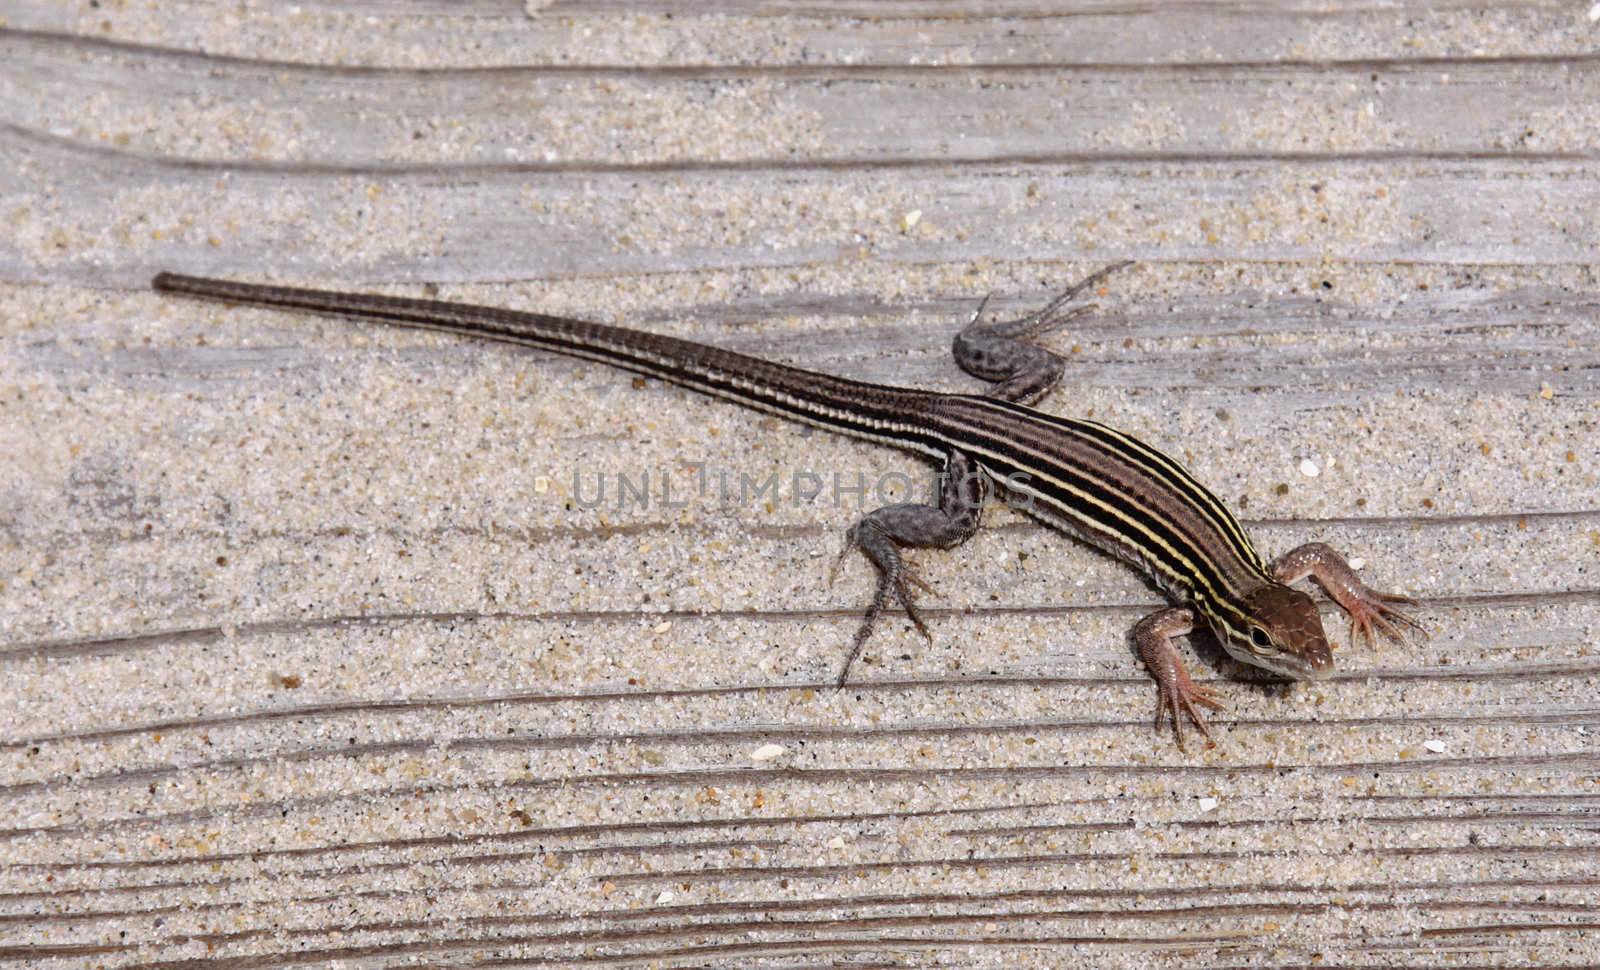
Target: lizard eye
point(1259, 637)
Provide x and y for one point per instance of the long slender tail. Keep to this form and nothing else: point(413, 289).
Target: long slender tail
point(873, 411)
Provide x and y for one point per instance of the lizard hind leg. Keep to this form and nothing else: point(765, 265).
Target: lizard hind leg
point(881, 534)
point(996, 351)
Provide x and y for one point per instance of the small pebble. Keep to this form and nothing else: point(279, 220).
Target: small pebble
point(767, 752)
point(1437, 747)
point(1207, 804)
point(1309, 468)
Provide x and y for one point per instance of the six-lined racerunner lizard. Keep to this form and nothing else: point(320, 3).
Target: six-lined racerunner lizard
point(1081, 477)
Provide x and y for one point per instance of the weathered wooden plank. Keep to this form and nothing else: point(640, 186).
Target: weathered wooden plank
point(194, 107)
point(1517, 340)
point(307, 653)
point(497, 32)
point(128, 218)
point(1020, 841)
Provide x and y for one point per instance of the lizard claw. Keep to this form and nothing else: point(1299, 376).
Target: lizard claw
point(902, 590)
point(977, 314)
point(897, 582)
point(907, 575)
point(1179, 697)
point(1373, 617)
point(833, 570)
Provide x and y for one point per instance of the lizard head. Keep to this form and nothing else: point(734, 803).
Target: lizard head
point(1283, 635)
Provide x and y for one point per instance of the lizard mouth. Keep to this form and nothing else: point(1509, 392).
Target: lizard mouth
point(1314, 670)
point(1316, 665)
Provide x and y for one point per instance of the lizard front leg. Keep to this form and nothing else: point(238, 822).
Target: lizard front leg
point(1175, 692)
point(963, 489)
point(1368, 609)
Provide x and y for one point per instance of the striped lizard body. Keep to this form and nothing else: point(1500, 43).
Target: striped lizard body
point(1083, 478)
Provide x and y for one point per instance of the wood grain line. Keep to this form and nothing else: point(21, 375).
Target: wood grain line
point(138, 777)
point(821, 872)
point(479, 839)
point(1576, 815)
point(77, 648)
point(1576, 800)
point(1498, 673)
point(302, 169)
point(857, 903)
point(308, 170)
point(492, 859)
point(431, 948)
point(462, 882)
point(929, 921)
point(874, 925)
point(825, 72)
point(700, 529)
point(700, 778)
point(1294, 10)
